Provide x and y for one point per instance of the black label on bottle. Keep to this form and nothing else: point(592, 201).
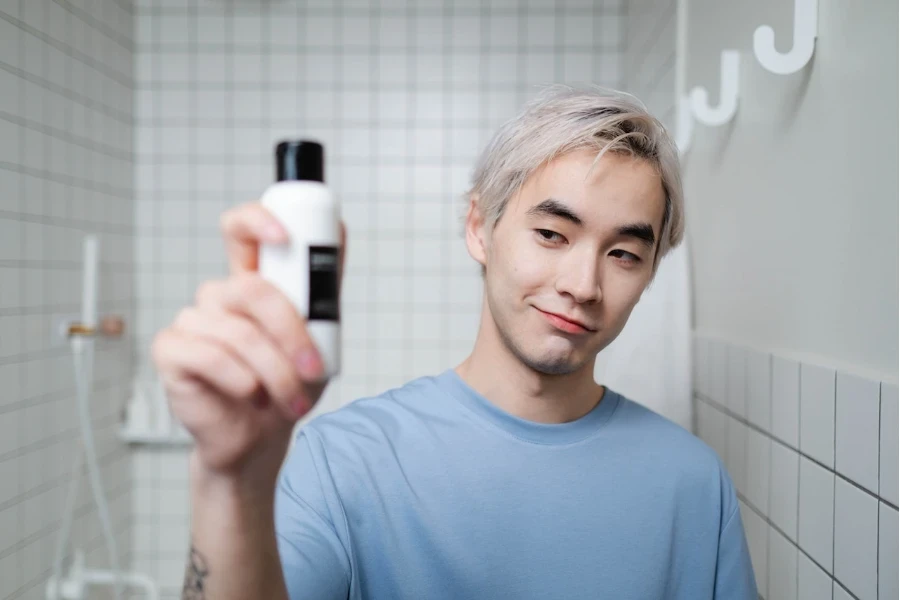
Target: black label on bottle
point(323, 283)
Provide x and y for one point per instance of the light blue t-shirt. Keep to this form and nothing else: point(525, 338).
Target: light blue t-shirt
point(430, 492)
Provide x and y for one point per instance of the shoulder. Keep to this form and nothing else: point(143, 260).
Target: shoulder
point(680, 457)
point(659, 434)
point(373, 418)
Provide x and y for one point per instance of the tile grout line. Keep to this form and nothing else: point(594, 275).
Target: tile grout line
point(780, 442)
point(772, 526)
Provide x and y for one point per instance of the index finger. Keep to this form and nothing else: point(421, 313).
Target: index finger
point(244, 229)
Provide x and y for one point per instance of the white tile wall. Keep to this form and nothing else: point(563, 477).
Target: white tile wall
point(786, 400)
point(759, 389)
point(887, 551)
point(855, 539)
point(817, 413)
point(736, 396)
point(812, 582)
point(65, 170)
point(782, 568)
point(759, 452)
point(808, 523)
point(887, 483)
point(784, 489)
point(857, 430)
point(816, 515)
point(403, 95)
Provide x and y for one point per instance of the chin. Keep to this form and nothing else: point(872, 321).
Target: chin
point(553, 367)
point(552, 361)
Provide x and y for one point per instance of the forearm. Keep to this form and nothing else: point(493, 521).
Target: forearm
point(234, 554)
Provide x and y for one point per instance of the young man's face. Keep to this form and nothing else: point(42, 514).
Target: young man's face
point(570, 257)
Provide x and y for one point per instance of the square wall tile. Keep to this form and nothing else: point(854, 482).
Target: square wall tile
point(783, 490)
point(736, 380)
point(736, 452)
point(855, 539)
point(716, 430)
point(887, 472)
point(816, 518)
point(856, 430)
point(717, 370)
point(782, 567)
point(757, 531)
point(887, 552)
point(812, 582)
point(758, 462)
point(759, 380)
point(817, 413)
point(786, 400)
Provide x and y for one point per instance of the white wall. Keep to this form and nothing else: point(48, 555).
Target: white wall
point(794, 207)
point(792, 214)
point(403, 95)
point(66, 169)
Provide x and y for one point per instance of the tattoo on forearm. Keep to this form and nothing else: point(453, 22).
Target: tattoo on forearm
point(195, 577)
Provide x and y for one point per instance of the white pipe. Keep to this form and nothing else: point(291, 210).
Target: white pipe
point(83, 354)
point(89, 281)
point(68, 517)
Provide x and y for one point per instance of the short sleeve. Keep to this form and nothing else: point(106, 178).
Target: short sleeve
point(313, 559)
point(734, 572)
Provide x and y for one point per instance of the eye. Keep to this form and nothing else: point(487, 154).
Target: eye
point(549, 236)
point(626, 256)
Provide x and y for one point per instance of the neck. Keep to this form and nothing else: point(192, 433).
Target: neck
point(496, 373)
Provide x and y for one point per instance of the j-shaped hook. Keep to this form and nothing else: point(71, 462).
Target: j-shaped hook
point(806, 28)
point(728, 94)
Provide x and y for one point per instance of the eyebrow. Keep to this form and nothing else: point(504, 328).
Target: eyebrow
point(643, 232)
point(551, 207)
point(554, 208)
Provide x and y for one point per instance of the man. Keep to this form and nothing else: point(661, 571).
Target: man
point(513, 475)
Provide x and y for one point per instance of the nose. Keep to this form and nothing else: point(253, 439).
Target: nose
point(579, 277)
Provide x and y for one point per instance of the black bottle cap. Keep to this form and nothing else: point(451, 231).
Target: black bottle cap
point(299, 160)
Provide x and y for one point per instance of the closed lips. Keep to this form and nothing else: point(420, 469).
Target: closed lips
point(568, 319)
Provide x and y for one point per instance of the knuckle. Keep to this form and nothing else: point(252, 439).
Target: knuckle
point(254, 288)
point(245, 335)
point(185, 318)
point(206, 291)
point(285, 386)
point(214, 360)
point(246, 387)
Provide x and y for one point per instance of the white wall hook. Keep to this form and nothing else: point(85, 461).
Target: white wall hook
point(806, 28)
point(684, 126)
point(728, 94)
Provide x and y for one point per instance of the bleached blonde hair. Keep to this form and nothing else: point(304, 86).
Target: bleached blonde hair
point(563, 119)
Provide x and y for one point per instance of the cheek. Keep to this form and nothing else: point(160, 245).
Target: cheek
point(521, 266)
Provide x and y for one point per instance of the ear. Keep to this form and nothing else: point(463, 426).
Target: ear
point(476, 234)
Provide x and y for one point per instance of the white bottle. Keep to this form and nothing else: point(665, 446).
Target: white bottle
point(306, 269)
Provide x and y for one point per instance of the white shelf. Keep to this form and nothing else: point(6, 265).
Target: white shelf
point(154, 438)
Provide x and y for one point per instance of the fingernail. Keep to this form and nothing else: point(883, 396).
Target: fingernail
point(300, 406)
point(309, 365)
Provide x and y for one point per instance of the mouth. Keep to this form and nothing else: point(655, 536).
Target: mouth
point(567, 324)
